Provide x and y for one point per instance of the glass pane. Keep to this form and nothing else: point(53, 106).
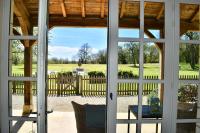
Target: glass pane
point(23, 60)
point(154, 18)
point(128, 60)
point(123, 128)
point(127, 98)
point(154, 55)
point(151, 128)
point(189, 22)
point(129, 18)
point(23, 98)
point(188, 101)
point(188, 128)
point(23, 127)
point(24, 17)
point(189, 61)
point(152, 100)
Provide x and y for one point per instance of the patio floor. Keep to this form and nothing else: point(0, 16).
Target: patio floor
point(63, 119)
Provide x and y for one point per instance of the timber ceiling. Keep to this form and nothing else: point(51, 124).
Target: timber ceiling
point(93, 13)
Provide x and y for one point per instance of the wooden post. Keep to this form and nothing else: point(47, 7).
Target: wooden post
point(162, 64)
point(77, 83)
point(28, 103)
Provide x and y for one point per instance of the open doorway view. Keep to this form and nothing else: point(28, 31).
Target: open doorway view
point(77, 66)
point(76, 72)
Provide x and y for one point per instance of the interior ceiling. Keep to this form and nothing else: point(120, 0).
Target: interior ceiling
point(93, 13)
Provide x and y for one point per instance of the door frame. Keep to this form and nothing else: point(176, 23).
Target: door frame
point(112, 69)
point(6, 113)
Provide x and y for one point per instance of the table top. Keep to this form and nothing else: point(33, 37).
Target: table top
point(147, 111)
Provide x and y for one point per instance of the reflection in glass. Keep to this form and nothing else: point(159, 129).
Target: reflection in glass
point(22, 98)
point(154, 11)
point(129, 15)
point(188, 128)
point(151, 128)
point(188, 101)
point(154, 60)
point(127, 97)
point(152, 100)
point(123, 128)
point(128, 60)
point(188, 61)
point(23, 59)
point(23, 17)
point(26, 127)
point(189, 22)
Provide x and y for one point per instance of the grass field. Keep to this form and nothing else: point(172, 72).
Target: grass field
point(149, 69)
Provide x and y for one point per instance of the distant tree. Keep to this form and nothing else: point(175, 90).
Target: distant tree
point(84, 53)
point(133, 50)
point(17, 52)
point(122, 55)
point(102, 56)
point(192, 51)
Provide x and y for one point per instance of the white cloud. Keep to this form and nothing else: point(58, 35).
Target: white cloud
point(62, 51)
point(65, 52)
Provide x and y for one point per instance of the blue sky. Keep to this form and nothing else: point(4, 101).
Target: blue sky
point(65, 42)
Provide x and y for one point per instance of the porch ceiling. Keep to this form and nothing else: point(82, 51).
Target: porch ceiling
point(93, 13)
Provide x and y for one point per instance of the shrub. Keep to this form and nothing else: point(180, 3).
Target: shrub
point(126, 74)
point(65, 74)
point(96, 74)
point(188, 93)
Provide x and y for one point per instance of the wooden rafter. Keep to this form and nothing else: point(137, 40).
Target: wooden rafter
point(102, 8)
point(123, 8)
point(83, 8)
point(22, 14)
point(160, 12)
point(62, 4)
point(145, 4)
point(196, 13)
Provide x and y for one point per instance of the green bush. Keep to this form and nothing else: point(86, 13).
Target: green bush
point(188, 93)
point(65, 74)
point(96, 74)
point(126, 74)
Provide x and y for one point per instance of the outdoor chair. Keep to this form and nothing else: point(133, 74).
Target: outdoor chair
point(89, 118)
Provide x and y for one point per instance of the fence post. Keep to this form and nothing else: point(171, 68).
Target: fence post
point(77, 84)
point(14, 87)
point(59, 85)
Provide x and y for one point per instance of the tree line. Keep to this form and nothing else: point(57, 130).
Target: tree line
point(128, 53)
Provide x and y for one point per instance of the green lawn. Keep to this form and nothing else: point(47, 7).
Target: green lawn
point(149, 69)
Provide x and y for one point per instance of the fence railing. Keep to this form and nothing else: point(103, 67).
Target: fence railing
point(59, 85)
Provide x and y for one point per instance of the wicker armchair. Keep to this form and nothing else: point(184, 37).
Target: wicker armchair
point(81, 122)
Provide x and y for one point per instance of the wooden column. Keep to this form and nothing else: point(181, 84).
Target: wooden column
point(162, 65)
point(28, 96)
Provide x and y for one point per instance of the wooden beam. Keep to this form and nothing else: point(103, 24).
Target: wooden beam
point(194, 15)
point(123, 8)
point(160, 12)
point(102, 8)
point(22, 14)
point(62, 4)
point(145, 4)
point(83, 8)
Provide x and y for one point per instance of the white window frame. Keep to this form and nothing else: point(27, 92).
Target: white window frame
point(5, 113)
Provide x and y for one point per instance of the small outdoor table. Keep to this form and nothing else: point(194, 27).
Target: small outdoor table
point(146, 113)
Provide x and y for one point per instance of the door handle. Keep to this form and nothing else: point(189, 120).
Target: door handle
point(111, 96)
